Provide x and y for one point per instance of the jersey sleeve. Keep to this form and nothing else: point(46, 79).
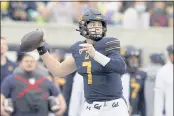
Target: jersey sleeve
point(112, 50)
point(72, 50)
point(75, 49)
point(6, 86)
point(54, 91)
point(112, 45)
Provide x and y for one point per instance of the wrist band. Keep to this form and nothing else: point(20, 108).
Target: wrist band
point(100, 58)
point(42, 50)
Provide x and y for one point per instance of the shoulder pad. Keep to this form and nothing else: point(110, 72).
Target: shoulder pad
point(108, 45)
point(75, 46)
point(112, 44)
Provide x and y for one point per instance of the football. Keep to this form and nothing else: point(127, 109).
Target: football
point(31, 41)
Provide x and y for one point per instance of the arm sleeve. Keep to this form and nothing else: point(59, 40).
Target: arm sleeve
point(112, 50)
point(159, 94)
point(7, 86)
point(54, 91)
point(116, 63)
point(74, 49)
point(77, 96)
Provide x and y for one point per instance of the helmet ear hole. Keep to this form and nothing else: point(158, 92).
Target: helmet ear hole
point(84, 32)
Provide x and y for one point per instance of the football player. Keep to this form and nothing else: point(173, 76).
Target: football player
point(7, 66)
point(163, 98)
point(98, 60)
point(157, 60)
point(136, 79)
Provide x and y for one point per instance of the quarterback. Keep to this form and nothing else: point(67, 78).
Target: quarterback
point(98, 60)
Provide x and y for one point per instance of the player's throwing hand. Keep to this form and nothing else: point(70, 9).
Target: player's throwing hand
point(88, 48)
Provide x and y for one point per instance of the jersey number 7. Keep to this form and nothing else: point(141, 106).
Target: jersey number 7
point(136, 87)
point(88, 65)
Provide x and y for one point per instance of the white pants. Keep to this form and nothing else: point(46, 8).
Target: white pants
point(51, 114)
point(116, 107)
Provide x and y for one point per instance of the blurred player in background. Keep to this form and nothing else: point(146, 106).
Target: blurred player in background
point(31, 90)
point(98, 60)
point(7, 66)
point(58, 55)
point(135, 80)
point(164, 87)
point(77, 96)
point(67, 89)
point(157, 60)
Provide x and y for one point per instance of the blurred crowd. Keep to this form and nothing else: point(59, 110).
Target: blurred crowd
point(122, 13)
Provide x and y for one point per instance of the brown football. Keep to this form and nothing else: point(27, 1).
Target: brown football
point(31, 41)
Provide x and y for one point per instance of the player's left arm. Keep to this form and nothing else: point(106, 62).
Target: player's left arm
point(111, 59)
point(5, 93)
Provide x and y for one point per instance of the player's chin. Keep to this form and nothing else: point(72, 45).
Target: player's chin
point(29, 69)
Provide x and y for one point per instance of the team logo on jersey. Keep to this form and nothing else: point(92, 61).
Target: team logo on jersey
point(89, 108)
point(98, 17)
point(86, 55)
point(80, 51)
point(115, 104)
point(32, 81)
point(97, 106)
point(10, 68)
point(81, 17)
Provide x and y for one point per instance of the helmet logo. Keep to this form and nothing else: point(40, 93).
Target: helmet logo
point(81, 17)
point(98, 17)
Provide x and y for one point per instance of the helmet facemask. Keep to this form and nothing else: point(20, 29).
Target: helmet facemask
point(132, 62)
point(95, 30)
point(95, 33)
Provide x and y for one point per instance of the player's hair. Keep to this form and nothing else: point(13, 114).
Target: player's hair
point(23, 56)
